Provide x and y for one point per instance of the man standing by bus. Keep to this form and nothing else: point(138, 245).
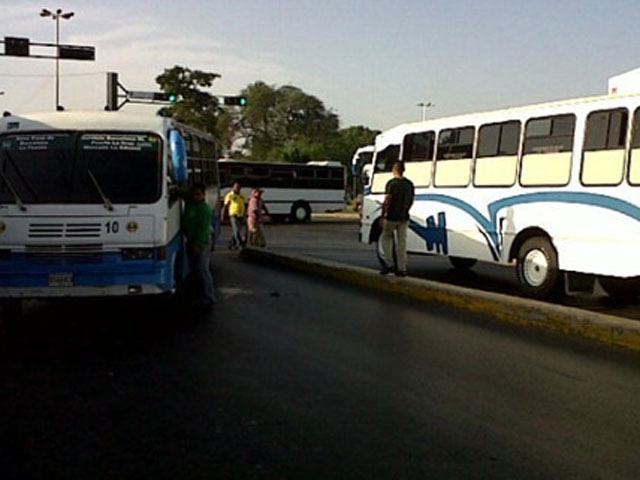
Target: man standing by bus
point(196, 224)
point(398, 199)
point(235, 204)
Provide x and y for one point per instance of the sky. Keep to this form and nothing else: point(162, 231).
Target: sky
point(371, 62)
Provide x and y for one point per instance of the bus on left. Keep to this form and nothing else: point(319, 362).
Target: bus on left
point(90, 204)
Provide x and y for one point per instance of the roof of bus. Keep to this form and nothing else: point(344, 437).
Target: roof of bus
point(394, 135)
point(232, 161)
point(83, 120)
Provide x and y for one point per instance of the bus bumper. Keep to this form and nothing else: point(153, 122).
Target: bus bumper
point(65, 292)
point(95, 275)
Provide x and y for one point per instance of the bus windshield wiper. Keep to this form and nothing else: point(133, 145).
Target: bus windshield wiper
point(21, 177)
point(13, 191)
point(107, 203)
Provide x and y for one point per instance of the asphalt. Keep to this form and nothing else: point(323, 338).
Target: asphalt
point(565, 319)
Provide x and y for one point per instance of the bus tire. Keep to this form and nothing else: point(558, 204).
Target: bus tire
point(621, 288)
point(462, 263)
point(300, 212)
point(537, 268)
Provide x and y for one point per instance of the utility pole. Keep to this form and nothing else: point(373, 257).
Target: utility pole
point(57, 16)
point(424, 105)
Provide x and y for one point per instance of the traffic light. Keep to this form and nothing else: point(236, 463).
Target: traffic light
point(17, 47)
point(165, 97)
point(74, 52)
point(238, 101)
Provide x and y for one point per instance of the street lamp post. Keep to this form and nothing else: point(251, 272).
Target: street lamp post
point(424, 105)
point(57, 16)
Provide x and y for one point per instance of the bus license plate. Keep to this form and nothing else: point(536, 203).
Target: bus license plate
point(61, 279)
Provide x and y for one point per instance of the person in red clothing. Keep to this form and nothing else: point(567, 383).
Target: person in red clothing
point(255, 211)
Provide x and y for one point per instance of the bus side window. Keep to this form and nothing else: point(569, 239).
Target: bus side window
point(497, 155)
point(417, 155)
point(546, 158)
point(384, 163)
point(634, 156)
point(453, 157)
point(603, 153)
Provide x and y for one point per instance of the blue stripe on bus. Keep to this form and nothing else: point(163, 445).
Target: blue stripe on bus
point(490, 223)
point(108, 269)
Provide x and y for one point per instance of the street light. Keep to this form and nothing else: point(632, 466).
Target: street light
point(424, 106)
point(57, 16)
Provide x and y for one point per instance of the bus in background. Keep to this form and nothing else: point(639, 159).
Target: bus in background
point(291, 190)
point(89, 204)
point(361, 168)
point(552, 188)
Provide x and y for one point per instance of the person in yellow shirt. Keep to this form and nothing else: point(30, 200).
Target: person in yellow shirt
point(235, 204)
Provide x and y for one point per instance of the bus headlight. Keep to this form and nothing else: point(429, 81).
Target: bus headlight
point(132, 227)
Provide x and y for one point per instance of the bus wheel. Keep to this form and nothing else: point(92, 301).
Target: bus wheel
point(462, 263)
point(537, 268)
point(300, 212)
point(621, 288)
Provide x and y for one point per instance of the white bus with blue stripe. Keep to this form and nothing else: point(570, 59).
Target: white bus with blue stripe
point(89, 204)
point(553, 188)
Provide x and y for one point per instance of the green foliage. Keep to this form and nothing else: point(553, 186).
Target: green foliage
point(279, 124)
point(348, 141)
point(195, 106)
point(285, 124)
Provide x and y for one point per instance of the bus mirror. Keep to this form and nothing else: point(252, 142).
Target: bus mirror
point(178, 156)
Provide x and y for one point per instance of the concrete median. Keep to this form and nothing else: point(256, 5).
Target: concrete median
point(603, 328)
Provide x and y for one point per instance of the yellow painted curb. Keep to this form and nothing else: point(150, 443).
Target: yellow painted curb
point(603, 328)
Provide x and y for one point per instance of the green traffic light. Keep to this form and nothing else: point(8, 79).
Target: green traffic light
point(173, 98)
point(243, 101)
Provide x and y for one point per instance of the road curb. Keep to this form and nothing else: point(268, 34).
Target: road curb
point(603, 328)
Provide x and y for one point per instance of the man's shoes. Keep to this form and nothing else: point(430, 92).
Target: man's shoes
point(402, 273)
point(386, 270)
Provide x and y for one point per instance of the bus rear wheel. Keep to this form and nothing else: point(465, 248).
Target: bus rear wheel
point(537, 268)
point(300, 212)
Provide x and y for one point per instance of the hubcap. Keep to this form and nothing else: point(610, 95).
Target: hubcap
point(301, 213)
point(535, 268)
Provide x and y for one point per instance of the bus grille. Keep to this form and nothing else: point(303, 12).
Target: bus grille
point(65, 230)
point(64, 254)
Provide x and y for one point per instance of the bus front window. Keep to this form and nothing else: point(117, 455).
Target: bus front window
point(64, 168)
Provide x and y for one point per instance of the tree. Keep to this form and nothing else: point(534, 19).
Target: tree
point(285, 124)
point(195, 106)
point(348, 140)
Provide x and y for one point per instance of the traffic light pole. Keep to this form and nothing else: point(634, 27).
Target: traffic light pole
point(116, 91)
point(20, 47)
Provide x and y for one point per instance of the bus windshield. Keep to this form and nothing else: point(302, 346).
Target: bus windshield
point(80, 167)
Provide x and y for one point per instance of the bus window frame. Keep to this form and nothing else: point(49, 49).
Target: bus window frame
point(570, 150)
point(627, 139)
point(518, 153)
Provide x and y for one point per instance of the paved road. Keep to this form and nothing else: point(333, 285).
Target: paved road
point(293, 377)
point(335, 237)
